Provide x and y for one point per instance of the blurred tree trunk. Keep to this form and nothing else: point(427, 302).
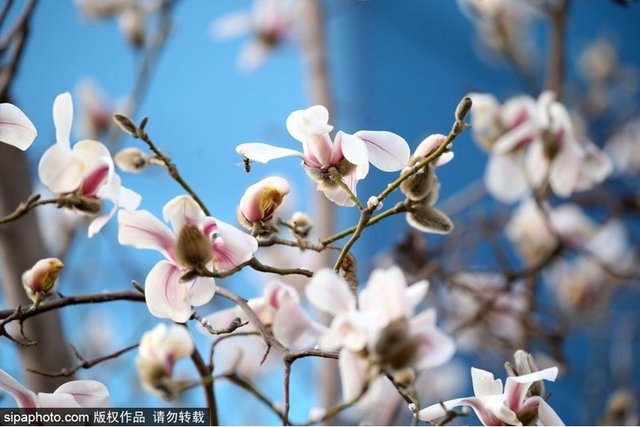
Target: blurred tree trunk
point(21, 243)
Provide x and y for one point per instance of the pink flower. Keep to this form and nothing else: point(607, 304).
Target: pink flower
point(86, 170)
point(260, 200)
point(495, 406)
point(73, 394)
point(197, 242)
point(347, 155)
point(15, 127)
point(40, 280)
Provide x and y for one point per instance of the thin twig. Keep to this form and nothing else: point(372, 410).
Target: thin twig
point(32, 202)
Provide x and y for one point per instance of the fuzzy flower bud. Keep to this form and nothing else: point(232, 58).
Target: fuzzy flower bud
point(131, 160)
point(260, 201)
point(525, 364)
point(301, 223)
point(160, 348)
point(40, 281)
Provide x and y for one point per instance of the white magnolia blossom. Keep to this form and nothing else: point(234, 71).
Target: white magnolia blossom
point(278, 308)
point(196, 242)
point(73, 394)
point(534, 142)
point(496, 406)
point(269, 22)
point(160, 348)
point(86, 170)
point(348, 155)
point(15, 127)
point(382, 332)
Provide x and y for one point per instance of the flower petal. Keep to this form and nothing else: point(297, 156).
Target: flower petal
point(484, 383)
point(440, 410)
point(436, 348)
point(387, 151)
point(174, 341)
point(24, 397)
point(565, 170)
point(353, 374)
point(60, 170)
point(263, 153)
point(546, 415)
point(312, 121)
point(142, 230)
point(182, 210)
point(60, 400)
point(165, 294)
point(200, 290)
point(15, 127)
point(232, 247)
point(88, 394)
point(230, 25)
point(292, 326)
point(385, 294)
point(62, 117)
point(328, 292)
point(505, 179)
point(354, 149)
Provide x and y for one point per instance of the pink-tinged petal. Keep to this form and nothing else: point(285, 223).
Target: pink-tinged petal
point(24, 397)
point(565, 170)
point(232, 247)
point(328, 292)
point(537, 164)
point(338, 196)
point(496, 405)
point(436, 348)
point(293, 327)
point(165, 294)
point(209, 226)
point(261, 199)
point(263, 153)
point(277, 293)
point(386, 150)
point(516, 388)
point(88, 394)
point(62, 117)
point(505, 179)
point(484, 383)
point(318, 149)
point(445, 158)
point(15, 127)
point(440, 410)
point(182, 210)
point(142, 230)
point(94, 180)
point(60, 170)
point(312, 121)
point(353, 374)
point(353, 148)
point(231, 25)
point(513, 139)
point(546, 415)
point(59, 400)
point(200, 290)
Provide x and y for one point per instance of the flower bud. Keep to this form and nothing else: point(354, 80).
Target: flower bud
point(301, 224)
point(525, 364)
point(131, 160)
point(126, 125)
point(424, 217)
point(421, 184)
point(131, 23)
point(40, 281)
point(261, 199)
point(193, 248)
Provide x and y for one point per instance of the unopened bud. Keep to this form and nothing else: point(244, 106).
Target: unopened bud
point(301, 224)
point(419, 185)
point(348, 271)
point(131, 22)
point(525, 364)
point(87, 205)
point(131, 160)
point(463, 108)
point(424, 217)
point(260, 201)
point(193, 248)
point(126, 124)
point(40, 281)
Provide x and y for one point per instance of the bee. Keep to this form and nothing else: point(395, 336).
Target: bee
point(246, 163)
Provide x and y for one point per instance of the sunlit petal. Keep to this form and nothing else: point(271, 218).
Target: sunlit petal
point(386, 150)
point(15, 127)
point(264, 153)
point(165, 294)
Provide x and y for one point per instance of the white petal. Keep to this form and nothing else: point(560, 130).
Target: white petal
point(353, 374)
point(505, 179)
point(417, 291)
point(537, 164)
point(546, 415)
point(182, 210)
point(387, 151)
point(60, 170)
point(15, 127)
point(385, 294)
point(440, 410)
point(232, 247)
point(312, 121)
point(436, 348)
point(88, 394)
point(230, 25)
point(99, 222)
point(176, 341)
point(165, 295)
point(328, 292)
point(253, 55)
point(200, 290)
point(353, 148)
point(292, 326)
point(338, 196)
point(142, 230)
point(128, 199)
point(484, 384)
point(565, 170)
point(59, 400)
point(263, 153)
point(62, 117)
point(24, 397)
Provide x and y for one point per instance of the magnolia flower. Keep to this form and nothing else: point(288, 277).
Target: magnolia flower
point(260, 201)
point(40, 281)
point(197, 242)
point(160, 348)
point(325, 161)
point(494, 406)
point(269, 22)
point(532, 143)
point(279, 308)
point(15, 127)
point(73, 394)
point(383, 333)
point(85, 172)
